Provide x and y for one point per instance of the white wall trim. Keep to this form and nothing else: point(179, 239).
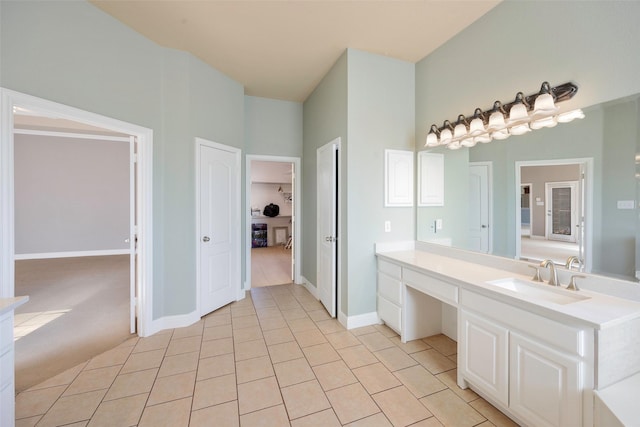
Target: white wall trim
point(172, 322)
point(297, 217)
point(359, 320)
point(73, 135)
point(313, 290)
point(72, 254)
point(144, 191)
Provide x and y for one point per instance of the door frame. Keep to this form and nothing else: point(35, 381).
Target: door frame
point(587, 167)
point(236, 233)
point(489, 166)
point(530, 185)
point(297, 209)
point(12, 100)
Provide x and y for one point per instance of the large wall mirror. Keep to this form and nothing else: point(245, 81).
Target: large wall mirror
point(552, 193)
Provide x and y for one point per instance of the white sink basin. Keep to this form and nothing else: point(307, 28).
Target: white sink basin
point(539, 291)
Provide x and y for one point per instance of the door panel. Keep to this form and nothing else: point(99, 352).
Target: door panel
point(562, 211)
point(326, 219)
point(479, 208)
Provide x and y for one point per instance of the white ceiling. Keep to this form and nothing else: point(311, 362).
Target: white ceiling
point(282, 49)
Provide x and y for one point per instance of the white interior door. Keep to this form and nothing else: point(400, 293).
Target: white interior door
point(133, 238)
point(479, 208)
point(327, 168)
point(562, 211)
point(219, 237)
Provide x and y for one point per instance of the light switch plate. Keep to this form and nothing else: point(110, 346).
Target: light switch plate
point(626, 204)
point(438, 224)
point(387, 226)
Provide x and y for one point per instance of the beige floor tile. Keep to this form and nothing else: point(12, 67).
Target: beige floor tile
point(214, 391)
point(294, 313)
point(330, 326)
point(131, 384)
point(386, 331)
point(433, 422)
point(247, 334)
point(363, 330)
point(71, 409)
point(254, 369)
point(258, 394)
point(319, 315)
point(333, 375)
point(217, 320)
point(154, 342)
point(273, 323)
point(375, 341)
point(304, 399)
point(450, 379)
point(419, 381)
point(352, 403)
point(377, 420)
point(216, 347)
point(285, 351)
point(172, 388)
point(65, 378)
point(394, 358)
point(225, 415)
point(217, 332)
point(178, 364)
point(250, 349)
point(278, 336)
point(190, 331)
point(184, 345)
point(411, 346)
point(238, 311)
point(95, 379)
point(216, 366)
point(37, 402)
point(443, 344)
point(357, 356)
point(120, 412)
point(293, 372)
point(342, 339)
point(321, 353)
point(275, 416)
point(433, 361)
point(174, 413)
point(115, 357)
point(401, 407)
point(270, 312)
point(299, 325)
point(451, 409)
point(143, 361)
point(326, 418)
point(376, 378)
point(244, 322)
point(28, 422)
point(310, 337)
point(492, 414)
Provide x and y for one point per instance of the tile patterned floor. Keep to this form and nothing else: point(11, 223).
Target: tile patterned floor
point(272, 359)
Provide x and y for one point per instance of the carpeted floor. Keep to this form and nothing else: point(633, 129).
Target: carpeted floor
point(77, 309)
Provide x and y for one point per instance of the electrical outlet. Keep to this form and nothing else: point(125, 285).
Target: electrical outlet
point(438, 224)
point(387, 226)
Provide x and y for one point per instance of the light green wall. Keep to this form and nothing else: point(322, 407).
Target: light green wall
point(75, 54)
point(273, 127)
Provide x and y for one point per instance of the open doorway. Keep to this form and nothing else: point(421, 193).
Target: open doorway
point(272, 226)
point(56, 259)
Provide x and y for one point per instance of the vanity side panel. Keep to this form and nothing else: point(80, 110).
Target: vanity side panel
point(618, 353)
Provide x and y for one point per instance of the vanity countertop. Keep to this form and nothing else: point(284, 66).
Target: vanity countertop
point(599, 311)
point(8, 304)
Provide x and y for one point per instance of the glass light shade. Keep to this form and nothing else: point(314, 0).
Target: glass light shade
point(476, 127)
point(544, 122)
point(518, 115)
point(544, 106)
point(460, 131)
point(496, 121)
point(570, 116)
point(455, 145)
point(468, 142)
point(445, 136)
point(500, 134)
point(432, 140)
point(482, 139)
point(520, 129)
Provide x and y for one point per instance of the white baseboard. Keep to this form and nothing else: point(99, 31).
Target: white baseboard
point(72, 254)
point(313, 290)
point(359, 320)
point(171, 322)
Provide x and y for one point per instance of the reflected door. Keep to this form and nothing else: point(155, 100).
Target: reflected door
point(479, 207)
point(562, 212)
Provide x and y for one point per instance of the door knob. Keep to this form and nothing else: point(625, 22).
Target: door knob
point(483, 226)
point(206, 239)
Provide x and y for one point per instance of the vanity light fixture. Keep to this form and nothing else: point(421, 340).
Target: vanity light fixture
point(518, 117)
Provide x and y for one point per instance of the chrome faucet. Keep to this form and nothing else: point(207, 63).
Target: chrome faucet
point(572, 260)
point(553, 274)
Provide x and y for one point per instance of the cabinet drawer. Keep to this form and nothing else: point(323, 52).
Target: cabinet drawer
point(390, 288)
point(443, 291)
point(390, 269)
point(390, 313)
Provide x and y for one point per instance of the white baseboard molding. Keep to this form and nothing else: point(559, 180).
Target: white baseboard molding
point(359, 320)
point(72, 254)
point(172, 322)
point(313, 290)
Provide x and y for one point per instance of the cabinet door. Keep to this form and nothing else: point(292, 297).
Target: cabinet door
point(484, 355)
point(545, 385)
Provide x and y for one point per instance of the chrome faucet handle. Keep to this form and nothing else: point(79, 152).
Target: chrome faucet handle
point(573, 286)
point(536, 277)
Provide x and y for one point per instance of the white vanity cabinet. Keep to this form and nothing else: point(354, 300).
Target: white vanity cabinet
point(390, 292)
point(534, 367)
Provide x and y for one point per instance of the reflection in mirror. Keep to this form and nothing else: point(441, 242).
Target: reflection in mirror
point(592, 215)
